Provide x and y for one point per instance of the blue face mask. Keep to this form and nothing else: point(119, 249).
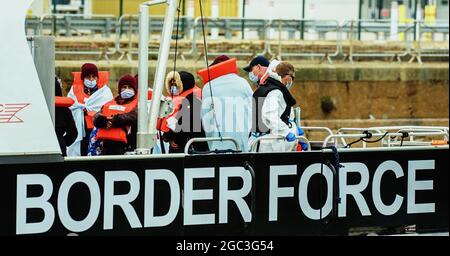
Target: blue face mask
point(90, 84)
point(289, 85)
point(127, 94)
point(253, 77)
point(174, 91)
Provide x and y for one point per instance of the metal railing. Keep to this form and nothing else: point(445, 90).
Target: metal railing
point(74, 24)
point(406, 35)
point(199, 140)
point(380, 29)
point(129, 24)
point(228, 26)
point(319, 28)
point(435, 130)
point(342, 131)
point(325, 130)
point(265, 36)
point(411, 127)
point(254, 144)
point(389, 135)
point(428, 31)
point(69, 24)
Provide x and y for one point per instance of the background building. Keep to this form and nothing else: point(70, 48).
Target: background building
point(259, 9)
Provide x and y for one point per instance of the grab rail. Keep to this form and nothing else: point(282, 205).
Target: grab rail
point(198, 140)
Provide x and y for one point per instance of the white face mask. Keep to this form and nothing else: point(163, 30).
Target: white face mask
point(289, 85)
point(253, 77)
point(174, 91)
point(90, 84)
point(127, 94)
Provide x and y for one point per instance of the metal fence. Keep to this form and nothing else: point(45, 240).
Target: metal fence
point(276, 38)
point(71, 24)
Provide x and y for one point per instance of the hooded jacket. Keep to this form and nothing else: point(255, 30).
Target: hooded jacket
point(124, 121)
point(187, 121)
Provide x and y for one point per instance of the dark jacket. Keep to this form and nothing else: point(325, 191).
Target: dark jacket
point(259, 97)
point(193, 127)
point(123, 121)
point(65, 128)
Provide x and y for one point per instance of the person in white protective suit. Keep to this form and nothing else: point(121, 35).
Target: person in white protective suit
point(285, 73)
point(90, 92)
point(273, 120)
point(232, 98)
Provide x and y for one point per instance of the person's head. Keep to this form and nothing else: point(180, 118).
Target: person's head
point(287, 73)
point(174, 86)
point(257, 68)
point(220, 59)
point(89, 74)
point(128, 87)
point(178, 82)
point(187, 79)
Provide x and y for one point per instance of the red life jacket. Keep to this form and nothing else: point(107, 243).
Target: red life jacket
point(177, 102)
point(110, 109)
point(78, 90)
point(221, 69)
point(63, 102)
point(150, 94)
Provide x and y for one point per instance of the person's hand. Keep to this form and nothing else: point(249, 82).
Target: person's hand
point(108, 124)
point(174, 145)
point(101, 121)
point(172, 123)
point(291, 137)
point(304, 146)
point(300, 131)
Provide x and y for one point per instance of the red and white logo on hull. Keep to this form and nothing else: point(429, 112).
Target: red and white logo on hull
point(8, 112)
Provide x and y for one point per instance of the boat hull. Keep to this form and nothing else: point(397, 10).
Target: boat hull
point(240, 194)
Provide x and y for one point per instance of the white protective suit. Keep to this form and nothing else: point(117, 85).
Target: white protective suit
point(272, 109)
point(94, 103)
point(232, 96)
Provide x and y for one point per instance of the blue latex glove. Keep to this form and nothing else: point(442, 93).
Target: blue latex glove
point(304, 146)
point(300, 131)
point(291, 137)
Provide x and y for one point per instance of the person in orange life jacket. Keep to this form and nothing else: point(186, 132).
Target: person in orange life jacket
point(89, 74)
point(117, 121)
point(273, 109)
point(185, 124)
point(89, 97)
point(65, 128)
point(226, 104)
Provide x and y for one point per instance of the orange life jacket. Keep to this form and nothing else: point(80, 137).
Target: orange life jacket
point(110, 109)
point(221, 69)
point(63, 102)
point(78, 90)
point(150, 94)
point(177, 102)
